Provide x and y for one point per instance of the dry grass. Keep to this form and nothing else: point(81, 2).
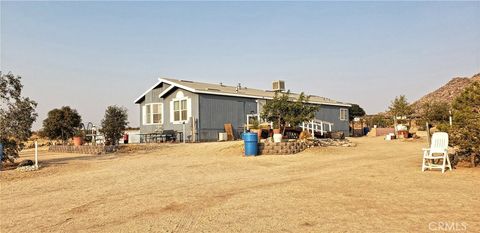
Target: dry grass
point(374, 187)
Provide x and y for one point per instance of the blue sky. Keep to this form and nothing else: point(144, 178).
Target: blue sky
point(93, 54)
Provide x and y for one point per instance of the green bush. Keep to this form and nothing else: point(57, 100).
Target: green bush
point(114, 124)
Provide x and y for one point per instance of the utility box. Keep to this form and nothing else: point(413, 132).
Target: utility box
point(222, 137)
point(278, 85)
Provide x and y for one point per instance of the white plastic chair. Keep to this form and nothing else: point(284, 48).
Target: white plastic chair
point(438, 146)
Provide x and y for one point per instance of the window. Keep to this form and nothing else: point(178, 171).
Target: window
point(153, 114)
point(180, 110)
point(343, 114)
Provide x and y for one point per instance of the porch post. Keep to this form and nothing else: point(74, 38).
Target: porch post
point(321, 128)
point(313, 130)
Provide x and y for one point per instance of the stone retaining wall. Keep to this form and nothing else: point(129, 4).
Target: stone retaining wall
point(280, 148)
point(82, 149)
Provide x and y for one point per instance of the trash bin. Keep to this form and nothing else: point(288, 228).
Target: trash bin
point(251, 144)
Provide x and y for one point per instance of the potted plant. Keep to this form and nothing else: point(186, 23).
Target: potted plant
point(255, 128)
point(276, 128)
point(277, 135)
point(78, 137)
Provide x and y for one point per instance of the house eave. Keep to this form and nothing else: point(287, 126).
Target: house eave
point(137, 101)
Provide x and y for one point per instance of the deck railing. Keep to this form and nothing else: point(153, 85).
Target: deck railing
point(314, 126)
point(317, 126)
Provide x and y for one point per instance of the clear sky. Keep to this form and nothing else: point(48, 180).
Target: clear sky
point(93, 54)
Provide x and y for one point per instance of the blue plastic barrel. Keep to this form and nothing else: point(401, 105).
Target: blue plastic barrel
point(1, 151)
point(251, 143)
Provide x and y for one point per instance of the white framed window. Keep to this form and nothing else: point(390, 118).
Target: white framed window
point(343, 114)
point(180, 108)
point(153, 114)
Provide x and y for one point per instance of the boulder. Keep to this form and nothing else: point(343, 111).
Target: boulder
point(337, 135)
point(24, 163)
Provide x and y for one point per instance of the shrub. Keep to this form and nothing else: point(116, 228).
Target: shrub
point(114, 124)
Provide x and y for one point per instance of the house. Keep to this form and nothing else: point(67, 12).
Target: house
point(204, 108)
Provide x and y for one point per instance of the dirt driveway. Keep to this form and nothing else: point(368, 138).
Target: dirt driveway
point(374, 187)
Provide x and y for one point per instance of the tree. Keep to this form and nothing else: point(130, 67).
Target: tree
point(114, 124)
point(276, 109)
point(61, 124)
point(399, 108)
point(379, 120)
point(465, 132)
point(434, 113)
point(283, 111)
point(355, 111)
point(17, 114)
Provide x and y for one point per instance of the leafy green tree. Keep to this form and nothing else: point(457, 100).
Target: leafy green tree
point(355, 111)
point(400, 107)
point(465, 132)
point(276, 109)
point(114, 124)
point(17, 114)
point(300, 111)
point(380, 121)
point(61, 124)
point(435, 112)
point(284, 111)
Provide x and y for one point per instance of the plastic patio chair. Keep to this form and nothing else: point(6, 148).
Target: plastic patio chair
point(438, 150)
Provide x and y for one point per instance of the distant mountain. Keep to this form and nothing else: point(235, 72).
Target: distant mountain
point(448, 92)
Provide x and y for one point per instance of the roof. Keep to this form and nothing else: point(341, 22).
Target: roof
point(220, 89)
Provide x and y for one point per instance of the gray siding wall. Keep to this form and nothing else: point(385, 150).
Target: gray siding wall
point(215, 111)
point(332, 114)
point(152, 97)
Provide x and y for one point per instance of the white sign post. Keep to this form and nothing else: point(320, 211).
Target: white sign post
point(36, 155)
point(184, 132)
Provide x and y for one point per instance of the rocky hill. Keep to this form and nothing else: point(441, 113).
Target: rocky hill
point(448, 92)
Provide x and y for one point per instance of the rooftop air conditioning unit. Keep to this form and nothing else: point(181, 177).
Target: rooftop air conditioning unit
point(278, 85)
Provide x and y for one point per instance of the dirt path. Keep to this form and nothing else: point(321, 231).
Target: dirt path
point(374, 187)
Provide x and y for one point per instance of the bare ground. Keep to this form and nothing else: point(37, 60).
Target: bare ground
point(374, 187)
